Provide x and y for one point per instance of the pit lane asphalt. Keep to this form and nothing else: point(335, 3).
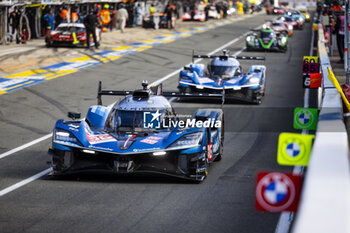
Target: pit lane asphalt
point(224, 202)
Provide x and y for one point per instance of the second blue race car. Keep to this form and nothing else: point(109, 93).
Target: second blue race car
point(225, 75)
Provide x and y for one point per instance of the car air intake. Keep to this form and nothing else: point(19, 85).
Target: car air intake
point(141, 94)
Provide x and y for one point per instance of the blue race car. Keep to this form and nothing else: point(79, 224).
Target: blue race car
point(139, 134)
point(224, 75)
point(297, 15)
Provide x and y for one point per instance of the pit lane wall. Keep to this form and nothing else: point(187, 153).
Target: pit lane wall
point(325, 199)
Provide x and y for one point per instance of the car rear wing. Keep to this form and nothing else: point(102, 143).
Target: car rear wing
point(154, 90)
point(228, 56)
point(158, 90)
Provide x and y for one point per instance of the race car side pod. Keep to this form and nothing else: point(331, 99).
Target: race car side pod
point(226, 56)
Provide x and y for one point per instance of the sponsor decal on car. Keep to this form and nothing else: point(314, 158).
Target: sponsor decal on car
point(151, 140)
point(210, 151)
point(146, 149)
point(100, 138)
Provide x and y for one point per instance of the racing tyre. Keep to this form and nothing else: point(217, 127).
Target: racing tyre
point(257, 102)
point(221, 147)
point(200, 176)
point(284, 50)
point(204, 164)
point(249, 49)
point(48, 44)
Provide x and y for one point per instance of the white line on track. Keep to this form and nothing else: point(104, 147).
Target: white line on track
point(43, 173)
point(24, 182)
point(10, 152)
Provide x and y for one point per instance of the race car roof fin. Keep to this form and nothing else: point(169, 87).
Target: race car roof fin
point(157, 89)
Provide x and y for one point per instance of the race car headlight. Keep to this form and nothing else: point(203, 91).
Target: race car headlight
point(282, 40)
point(250, 39)
point(290, 27)
point(64, 136)
point(307, 16)
point(254, 80)
point(187, 141)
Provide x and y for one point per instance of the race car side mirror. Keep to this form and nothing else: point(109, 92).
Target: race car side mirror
point(74, 115)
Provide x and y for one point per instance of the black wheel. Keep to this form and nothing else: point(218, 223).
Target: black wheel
point(221, 147)
point(61, 161)
point(284, 50)
point(203, 165)
point(257, 102)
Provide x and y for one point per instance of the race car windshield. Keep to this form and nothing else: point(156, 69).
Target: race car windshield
point(70, 29)
point(277, 24)
point(267, 34)
point(223, 70)
point(133, 121)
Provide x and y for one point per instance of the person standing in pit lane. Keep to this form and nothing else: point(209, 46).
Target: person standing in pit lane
point(65, 15)
point(122, 17)
point(139, 14)
point(131, 13)
point(49, 21)
point(169, 16)
point(74, 15)
point(15, 17)
point(91, 22)
point(340, 33)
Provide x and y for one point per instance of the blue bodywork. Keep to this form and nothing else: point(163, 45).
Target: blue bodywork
point(296, 15)
point(96, 142)
point(224, 75)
